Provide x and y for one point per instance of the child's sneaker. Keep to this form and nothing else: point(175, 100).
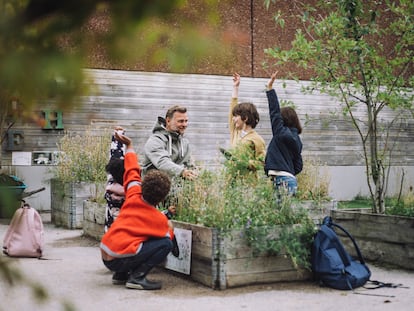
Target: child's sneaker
point(120, 278)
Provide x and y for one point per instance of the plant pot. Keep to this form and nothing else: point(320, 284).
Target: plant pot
point(67, 202)
point(224, 260)
point(93, 219)
point(385, 239)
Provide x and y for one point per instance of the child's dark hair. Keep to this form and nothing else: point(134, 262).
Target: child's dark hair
point(248, 113)
point(115, 167)
point(155, 186)
point(290, 118)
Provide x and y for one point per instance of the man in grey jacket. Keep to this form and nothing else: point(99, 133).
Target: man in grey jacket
point(167, 149)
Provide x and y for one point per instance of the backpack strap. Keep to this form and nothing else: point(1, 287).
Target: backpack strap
point(361, 259)
point(13, 224)
point(372, 284)
point(31, 223)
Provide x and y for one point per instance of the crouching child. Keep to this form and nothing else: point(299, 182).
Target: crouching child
point(141, 237)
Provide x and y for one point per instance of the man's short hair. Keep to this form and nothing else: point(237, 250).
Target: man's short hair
point(173, 109)
point(155, 186)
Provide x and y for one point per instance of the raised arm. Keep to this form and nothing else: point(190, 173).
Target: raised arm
point(236, 84)
point(234, 99)
point(132, 175)
point(233, 103)
point(272, 79)
point(274, 106)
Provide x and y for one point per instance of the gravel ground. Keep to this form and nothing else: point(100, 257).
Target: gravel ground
point(74, 276)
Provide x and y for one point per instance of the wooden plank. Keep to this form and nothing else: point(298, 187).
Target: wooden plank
point(393, 229)
point(202, 271)
point(396, 254)
point(258, 264)
point(67, 202)
point(234, 280)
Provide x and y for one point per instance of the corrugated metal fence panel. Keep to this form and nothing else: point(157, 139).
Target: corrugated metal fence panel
point(135, 100)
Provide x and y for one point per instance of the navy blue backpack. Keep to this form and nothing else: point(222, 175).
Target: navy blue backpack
point(331, 264)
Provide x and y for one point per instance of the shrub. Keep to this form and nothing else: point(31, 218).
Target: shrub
point(227, 199)
point(400, 207)
point(82, 157)
point(313, 181)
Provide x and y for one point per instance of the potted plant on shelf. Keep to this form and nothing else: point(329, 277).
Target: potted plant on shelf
point(79, 175)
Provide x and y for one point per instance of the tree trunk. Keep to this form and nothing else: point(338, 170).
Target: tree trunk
point(379, 204)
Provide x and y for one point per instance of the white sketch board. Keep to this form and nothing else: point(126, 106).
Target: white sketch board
point(181, 264)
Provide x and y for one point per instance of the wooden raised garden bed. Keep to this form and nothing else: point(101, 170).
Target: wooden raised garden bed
point(381, 238)
point(218, 260)
point(67, 202)
point(224, 260)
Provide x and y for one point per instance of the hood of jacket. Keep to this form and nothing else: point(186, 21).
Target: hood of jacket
point(173, 137)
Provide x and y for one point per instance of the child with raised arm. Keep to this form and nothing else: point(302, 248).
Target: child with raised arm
point(283, 158)
point(141, 237)
point(243, 119)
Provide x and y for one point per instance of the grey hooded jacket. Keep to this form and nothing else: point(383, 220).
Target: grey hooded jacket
point(166, 151)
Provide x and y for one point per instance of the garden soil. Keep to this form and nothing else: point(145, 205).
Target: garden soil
point(73, 275)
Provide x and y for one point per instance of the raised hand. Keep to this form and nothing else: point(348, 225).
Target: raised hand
point(271, 80)
point(119, 135)
point(236, 79)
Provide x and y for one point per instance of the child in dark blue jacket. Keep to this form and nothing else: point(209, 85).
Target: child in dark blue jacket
point(284, 152)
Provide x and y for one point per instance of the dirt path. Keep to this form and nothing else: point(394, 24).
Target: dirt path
point(74, 273)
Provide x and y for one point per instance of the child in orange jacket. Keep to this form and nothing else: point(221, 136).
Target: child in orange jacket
point(141, 237)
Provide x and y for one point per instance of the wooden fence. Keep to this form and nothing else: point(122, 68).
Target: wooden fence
point(135, 100)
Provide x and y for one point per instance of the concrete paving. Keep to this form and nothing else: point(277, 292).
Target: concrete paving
point(74, 276)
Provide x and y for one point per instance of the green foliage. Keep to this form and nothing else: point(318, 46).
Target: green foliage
point(14, 277)
point(396, 206)
point(241, 162)
point(83, 157)
point(51, 40)
point(344, 43)
point(357, 202)
point(45, 45)
point(313, 181)
point(400, 210)
point(401, 206)
point(218, 200)
point(294, 240)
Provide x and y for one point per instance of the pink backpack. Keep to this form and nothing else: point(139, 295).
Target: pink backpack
point(24, 237)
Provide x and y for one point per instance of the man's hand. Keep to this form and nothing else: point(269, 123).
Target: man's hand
point(189, 174)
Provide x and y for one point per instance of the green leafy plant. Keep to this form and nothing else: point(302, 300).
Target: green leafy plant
point(82, 157)
point(401, 208)
point(396, 206)
point(228, 199)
